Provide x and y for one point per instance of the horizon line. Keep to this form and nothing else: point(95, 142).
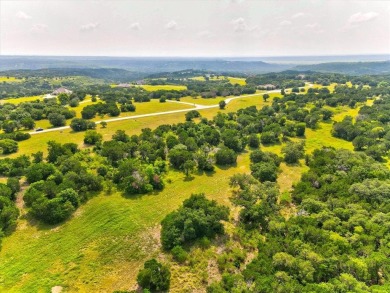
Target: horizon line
point(197, 56)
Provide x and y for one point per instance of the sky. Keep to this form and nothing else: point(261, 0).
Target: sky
point(194, 28)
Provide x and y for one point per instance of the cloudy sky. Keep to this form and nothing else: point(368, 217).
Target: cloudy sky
point(194, 28)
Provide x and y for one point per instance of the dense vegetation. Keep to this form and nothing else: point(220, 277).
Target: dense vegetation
point(337, 240)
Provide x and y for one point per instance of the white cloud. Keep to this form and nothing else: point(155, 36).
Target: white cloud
point(285, 23)
point(22, 15)
point(297, 15)
point(360, 17)
point(357, 19)
point(135, 26)
point(38, 28)
point(172, 25)
point(240, 25)
point(89, 27)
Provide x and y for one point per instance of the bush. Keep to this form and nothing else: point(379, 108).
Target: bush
point(154, 276)
point(79, 124)
point(8, 146)
point(179, 254)
point(92, 137)
point(197, 218)
point(225, 156)
point(254, 141)
point(192, 114)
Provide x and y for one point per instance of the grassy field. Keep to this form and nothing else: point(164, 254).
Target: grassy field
point(9, 79)
point(232, 80)
point(201, 101)
point(22, 99)
point(237, 80)
point(153, 88)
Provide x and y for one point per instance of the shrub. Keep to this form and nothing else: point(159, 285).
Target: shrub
point(154, 276)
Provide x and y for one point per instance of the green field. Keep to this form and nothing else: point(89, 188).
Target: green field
point(10, 79)
point(237, 80)
point(232, 80)
point(153, 88)
point(201, 101)
point(22, 99)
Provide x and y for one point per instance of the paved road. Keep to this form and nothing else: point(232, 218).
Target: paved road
point(194, 107)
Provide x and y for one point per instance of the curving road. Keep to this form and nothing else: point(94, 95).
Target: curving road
point(194, 107)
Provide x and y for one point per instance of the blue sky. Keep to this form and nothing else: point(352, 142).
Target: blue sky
point(194, 28)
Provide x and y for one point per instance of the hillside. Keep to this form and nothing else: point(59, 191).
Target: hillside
point(354, 68)
point(144, 65)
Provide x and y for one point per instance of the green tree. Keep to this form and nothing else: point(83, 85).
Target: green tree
point(79, 124)
point(8, 146)
point(222, 105)
point(56, 119)
point(189, 167)
point(103, 124)
point(92, 137)
point(154, 276)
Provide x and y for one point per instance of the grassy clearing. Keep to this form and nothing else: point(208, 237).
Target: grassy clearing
point(22, 99)
point(10, 79)
point(201, 101)
point(232, 80)
point(237, 80)
point(153, 88)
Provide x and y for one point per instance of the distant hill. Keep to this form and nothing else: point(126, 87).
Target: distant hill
point(108, 74)
point(145, 65)
point(354, 68)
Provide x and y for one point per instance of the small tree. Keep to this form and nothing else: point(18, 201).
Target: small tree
point(92, 137)
point(189, 167)
point(103, 124)
point(222, 105)
point(265, 97)
point(78, 124)
point(8, 146)
point(56, 119)
point(293, 152)
point(154, 276)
